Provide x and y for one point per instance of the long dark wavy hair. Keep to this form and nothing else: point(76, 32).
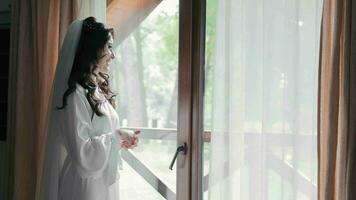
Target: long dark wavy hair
point(93, 38)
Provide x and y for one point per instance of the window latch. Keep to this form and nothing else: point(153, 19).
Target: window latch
point(181, 148)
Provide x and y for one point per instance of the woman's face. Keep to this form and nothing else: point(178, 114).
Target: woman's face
point(105, 56)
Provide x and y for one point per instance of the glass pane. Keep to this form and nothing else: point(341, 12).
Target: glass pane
point(145, 76)
point(260, 99)
point(211, 9)
point(142, 189)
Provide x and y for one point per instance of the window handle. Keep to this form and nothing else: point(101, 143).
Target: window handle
point(183, 148)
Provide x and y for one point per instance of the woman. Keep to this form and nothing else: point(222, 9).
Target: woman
point(83, 121)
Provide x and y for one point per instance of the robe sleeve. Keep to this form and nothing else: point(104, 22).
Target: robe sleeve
point(117, 126)
point(90, 153)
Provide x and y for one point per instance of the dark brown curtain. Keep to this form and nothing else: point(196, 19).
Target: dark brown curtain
point(337, 102)
point(37, 28)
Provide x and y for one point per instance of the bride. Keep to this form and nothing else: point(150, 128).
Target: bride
point(84, 138)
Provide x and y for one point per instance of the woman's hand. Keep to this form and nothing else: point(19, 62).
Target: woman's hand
point(129, 138)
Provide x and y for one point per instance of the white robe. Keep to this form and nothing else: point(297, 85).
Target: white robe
point(92, 145)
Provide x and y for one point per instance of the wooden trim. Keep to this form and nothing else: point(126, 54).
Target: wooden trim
point(184, 99)
point(126, 15)
point(272, 138)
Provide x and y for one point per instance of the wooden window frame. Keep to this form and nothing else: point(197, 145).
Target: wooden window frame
point(190, 98)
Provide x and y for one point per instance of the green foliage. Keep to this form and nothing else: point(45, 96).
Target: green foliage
point(159, 34)
point(160, 59)
point(209, 60)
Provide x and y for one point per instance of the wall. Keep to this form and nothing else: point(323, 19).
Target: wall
point(4, 64)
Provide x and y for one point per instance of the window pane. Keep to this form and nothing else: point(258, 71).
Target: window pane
point(145, 78)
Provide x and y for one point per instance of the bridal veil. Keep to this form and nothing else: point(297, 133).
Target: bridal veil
point(54, 152)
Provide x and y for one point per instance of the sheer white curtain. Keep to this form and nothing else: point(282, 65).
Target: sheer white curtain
point(263, 141)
